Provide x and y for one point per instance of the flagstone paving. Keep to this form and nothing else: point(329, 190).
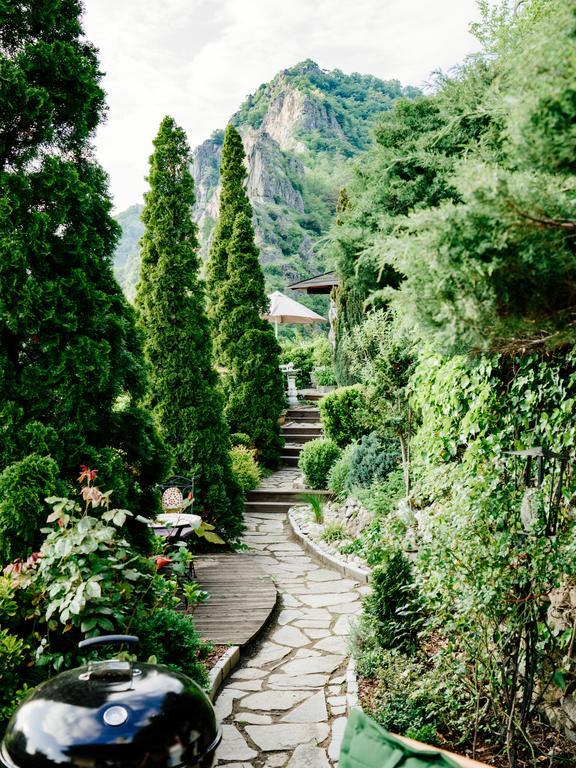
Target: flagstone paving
point(285, 705)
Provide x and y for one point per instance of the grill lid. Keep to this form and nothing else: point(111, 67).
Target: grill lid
point(112, 713)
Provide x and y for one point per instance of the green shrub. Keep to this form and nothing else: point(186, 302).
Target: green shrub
point(245, 468)
point(302, 357)
point(333, 532)
point(372, 460)
point(23, 487)
point(241, 438)
point(393, 605)
point(342, 414)
point(324, 376)
point(172, 639)
point(321, 352)
point(410, 716)
point(338, 475)
point(13, 660)
point(316, 459)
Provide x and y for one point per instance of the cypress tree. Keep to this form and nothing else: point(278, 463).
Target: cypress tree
point(233, 200)
point(184, 394)
point(69, 347)
point(254, 385)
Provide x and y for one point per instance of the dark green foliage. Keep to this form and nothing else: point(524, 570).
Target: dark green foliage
point(316, 460)
point(240, 438)
point(302, 358)
point(245, 343)
point(393, 603)
point(233, 200)
point(413, 717)
point(372, 460)
point(68, 344)
point(184, 395)
point(343, 415)
point(172, 639)
point(23, 487)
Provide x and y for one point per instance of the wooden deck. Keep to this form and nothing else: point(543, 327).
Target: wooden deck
point(242, 597)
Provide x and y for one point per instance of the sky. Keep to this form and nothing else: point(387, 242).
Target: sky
point(198, 59)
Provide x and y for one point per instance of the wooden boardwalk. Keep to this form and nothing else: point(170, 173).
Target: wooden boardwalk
point(242, 597)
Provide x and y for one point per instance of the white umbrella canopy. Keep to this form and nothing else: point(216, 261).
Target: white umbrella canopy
point(283, 309)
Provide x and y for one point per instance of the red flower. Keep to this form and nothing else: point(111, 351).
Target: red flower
point(87, 474)
point(162, 561)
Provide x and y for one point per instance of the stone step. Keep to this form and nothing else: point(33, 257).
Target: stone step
point(295, 413)
point(281, 495)
point(299, 437)
point(292, 450)
point(302, 429)
point(311, 395)
point(281, 507)
point(289, 460)
point(304, 419)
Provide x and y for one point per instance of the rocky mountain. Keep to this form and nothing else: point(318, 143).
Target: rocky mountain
point(300, 132)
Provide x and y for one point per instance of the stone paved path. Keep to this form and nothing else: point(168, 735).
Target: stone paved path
point(286, 704)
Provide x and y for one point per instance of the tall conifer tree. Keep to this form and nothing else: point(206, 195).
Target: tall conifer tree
point(233, 200)
point(255, 388)
point(69, 347)
point(184, 393)
point(244, 343)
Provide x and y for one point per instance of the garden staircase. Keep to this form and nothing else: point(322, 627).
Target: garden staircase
point(302, 425)
point(277, 493)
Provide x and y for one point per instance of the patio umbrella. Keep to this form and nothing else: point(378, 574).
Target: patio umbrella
point(283, 309)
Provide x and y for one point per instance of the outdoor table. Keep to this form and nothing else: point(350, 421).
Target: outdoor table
point(176, 527)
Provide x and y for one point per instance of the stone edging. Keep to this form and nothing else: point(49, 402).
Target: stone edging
point(351, 686)
point(359, 574)
point(222, 669)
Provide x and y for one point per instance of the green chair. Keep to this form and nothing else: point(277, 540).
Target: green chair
point(367, 745)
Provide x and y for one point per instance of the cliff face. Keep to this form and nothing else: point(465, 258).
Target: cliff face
point(300, 132)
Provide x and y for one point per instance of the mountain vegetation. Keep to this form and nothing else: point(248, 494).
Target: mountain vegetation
point(184, 393)
point(300, 132)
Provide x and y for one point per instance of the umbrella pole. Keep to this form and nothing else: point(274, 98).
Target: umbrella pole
point(276, 327)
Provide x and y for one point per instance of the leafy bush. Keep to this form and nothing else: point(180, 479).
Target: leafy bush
point(172, 639)
point(324, 376)
point(241, 438)
point(338, 475)
point(333, 532)
point(302, 357)
point(245, 468)
point(23, 488)
point(342, 414)
point(372, 460)
point(321, 352)
point(86, 579)
point(316, 460)
point(13, 659)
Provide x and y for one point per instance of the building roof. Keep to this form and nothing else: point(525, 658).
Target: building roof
point(319, 284)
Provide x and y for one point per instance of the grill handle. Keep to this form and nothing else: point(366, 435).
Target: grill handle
point(93, 642)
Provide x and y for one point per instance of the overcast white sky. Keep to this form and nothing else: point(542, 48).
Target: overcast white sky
point(197, 59)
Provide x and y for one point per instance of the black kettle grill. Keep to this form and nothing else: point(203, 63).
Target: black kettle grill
point(113, 714)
